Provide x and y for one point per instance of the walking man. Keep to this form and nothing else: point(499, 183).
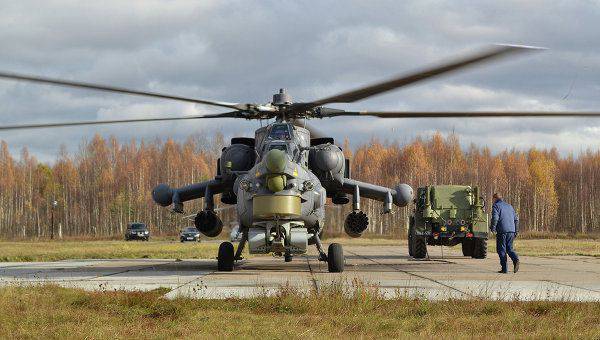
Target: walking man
point(505, 223)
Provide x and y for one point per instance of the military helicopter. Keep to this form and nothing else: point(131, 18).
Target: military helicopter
point(279, 180)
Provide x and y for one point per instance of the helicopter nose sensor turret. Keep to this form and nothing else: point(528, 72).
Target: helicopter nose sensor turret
point(275, 161)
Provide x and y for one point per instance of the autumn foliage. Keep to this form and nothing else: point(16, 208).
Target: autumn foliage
point(107, 184)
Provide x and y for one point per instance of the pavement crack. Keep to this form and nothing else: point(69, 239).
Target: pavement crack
point(122, 271)
point(571, 286)
point(415, 275)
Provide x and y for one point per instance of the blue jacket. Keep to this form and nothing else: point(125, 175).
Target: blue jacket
point(504, 218)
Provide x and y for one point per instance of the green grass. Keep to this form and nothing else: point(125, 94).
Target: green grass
point(61, 250)
point(527, 247)
point(554, 247)
point(51, 311)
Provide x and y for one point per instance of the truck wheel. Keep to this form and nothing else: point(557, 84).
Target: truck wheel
point(225, 259)
point(335, 258)
point(419, 247)
point(411, 230)
point(467, 247)
point(480, 248)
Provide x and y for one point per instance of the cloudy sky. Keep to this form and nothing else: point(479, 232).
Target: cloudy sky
point(244, 51)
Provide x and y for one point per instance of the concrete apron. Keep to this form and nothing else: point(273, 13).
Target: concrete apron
point(386, 270)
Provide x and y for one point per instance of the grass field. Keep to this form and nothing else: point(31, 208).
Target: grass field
point(61, 250)
point(30, 312)
point(18, 251)
point(554, 247)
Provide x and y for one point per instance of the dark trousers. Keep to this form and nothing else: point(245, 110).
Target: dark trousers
point(504, 245)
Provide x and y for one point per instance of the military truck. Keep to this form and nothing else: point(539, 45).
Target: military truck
point(448, 215)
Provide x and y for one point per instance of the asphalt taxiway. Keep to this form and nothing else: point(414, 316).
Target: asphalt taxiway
point(446, 274)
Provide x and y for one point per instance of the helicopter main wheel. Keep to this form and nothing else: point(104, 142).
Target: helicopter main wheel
point(226, 257)
point(287, 257)
point(335, 258)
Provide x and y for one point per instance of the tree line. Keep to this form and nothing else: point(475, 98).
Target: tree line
point(107, 184)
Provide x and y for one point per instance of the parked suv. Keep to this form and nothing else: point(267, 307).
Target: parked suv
point(137, 231)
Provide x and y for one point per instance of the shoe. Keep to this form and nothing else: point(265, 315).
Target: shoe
point(502, 272)
point(516, 266)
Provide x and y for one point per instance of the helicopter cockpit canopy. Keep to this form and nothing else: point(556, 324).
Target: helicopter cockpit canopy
point(290, 148)
point(285, 137)
point(281, 132)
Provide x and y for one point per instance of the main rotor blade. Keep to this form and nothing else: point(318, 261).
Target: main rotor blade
point(451, 114)
point(361, 93)
point(232, 114)
point(75, 84)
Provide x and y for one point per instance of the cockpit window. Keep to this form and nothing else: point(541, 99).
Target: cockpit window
point(280, 131)
point(281, 147)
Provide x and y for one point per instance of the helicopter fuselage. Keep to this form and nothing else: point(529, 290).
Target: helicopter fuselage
point(280, 202)
point(280, 181)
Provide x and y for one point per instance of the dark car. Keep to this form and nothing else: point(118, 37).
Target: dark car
point(189, 234)
point(137, 231)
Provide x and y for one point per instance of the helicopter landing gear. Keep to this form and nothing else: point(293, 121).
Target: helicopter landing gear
point(319, 245)
point(240, 248)
point(226, 257)
point(335, 258)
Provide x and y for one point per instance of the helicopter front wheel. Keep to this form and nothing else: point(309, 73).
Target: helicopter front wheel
point(335, 258)
point(226, 257)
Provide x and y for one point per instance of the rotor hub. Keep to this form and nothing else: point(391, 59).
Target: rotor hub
point(282, 98)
